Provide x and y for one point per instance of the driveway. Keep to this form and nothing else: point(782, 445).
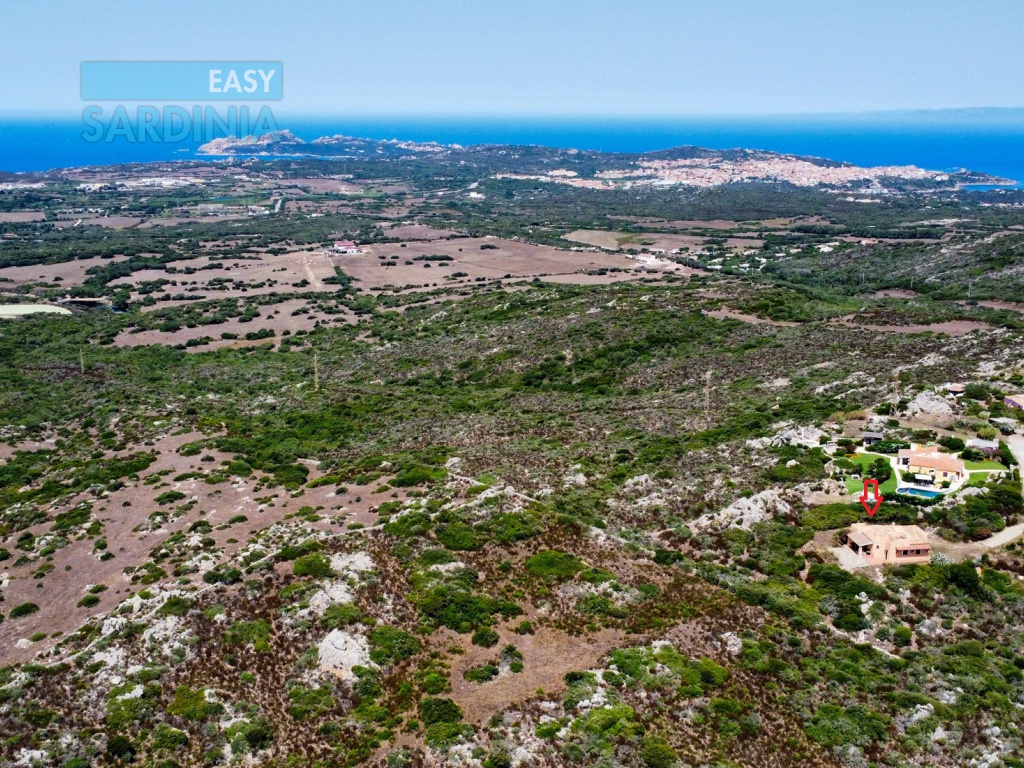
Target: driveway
point(848, 559)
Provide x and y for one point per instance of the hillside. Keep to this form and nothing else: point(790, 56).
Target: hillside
point(408, 461)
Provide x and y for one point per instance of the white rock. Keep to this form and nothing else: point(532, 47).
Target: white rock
point(922, 712)
point(31, 757)
point(352, 563)
point(931, 409)
point(733, 644)
point(743, 513)
point(340, 651)
point(112, 625)
point(570, 480)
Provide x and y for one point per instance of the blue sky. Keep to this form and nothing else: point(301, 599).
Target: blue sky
point(544, 57)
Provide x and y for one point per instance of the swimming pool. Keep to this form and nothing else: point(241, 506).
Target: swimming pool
point(919, 492)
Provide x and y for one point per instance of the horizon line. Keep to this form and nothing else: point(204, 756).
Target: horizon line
point(980, 111)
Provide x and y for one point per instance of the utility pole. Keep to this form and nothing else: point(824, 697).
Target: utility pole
point(316, 372)
point(707, 394)
point(81, 360)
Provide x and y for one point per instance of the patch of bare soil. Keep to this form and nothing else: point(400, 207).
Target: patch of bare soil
point(896, 293)
point(131, 539)
point(69, 272)
point(950, 327)
point(467, 260)
point(1015, 306)
point(732, 314)
point(20, 217)
point(547, 656)
point(656, 240)
point(416, 232)
point(278, 317)
point(294, 272)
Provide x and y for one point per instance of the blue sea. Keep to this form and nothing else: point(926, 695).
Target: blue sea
point(982, 140)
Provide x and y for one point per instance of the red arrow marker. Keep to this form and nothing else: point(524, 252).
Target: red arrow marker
point(870, 482)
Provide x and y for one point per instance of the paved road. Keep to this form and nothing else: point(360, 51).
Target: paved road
point(1016, 443)
point(1005, 536)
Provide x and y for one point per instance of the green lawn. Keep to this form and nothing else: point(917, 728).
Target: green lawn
point(865, 459)
point(978, 479)
point(984, 465)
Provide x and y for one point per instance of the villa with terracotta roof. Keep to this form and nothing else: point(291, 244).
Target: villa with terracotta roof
point(928, 464)
point(888, 544)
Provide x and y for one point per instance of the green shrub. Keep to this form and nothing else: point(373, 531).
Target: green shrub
point(390, 644)
point(481, 674)
point(315, 565)
point(515, 526)
point(121, 748)
point(409, 525)
point(951, 443)
point(485, 637)
point(175, 605)
point(341, 615)
point(459, 536)
point(434, 683)
point(657, 753)
point(250, 736)
point(439, 710)
point(255, 633)
point(169, 497)
point(166, 737)
point(442, 736)
point(833, 726)
point(829, 516)
point(88, 601)
point(309, 702)
point(547, 730)
point(601, 606)
point(25, 609)
point(191, 704)
point(418, 475)
point(552, 564)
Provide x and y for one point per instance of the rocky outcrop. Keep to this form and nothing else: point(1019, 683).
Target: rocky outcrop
point(340, 651)
point(789, 434)
point(930, 408)
point(743, 513)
